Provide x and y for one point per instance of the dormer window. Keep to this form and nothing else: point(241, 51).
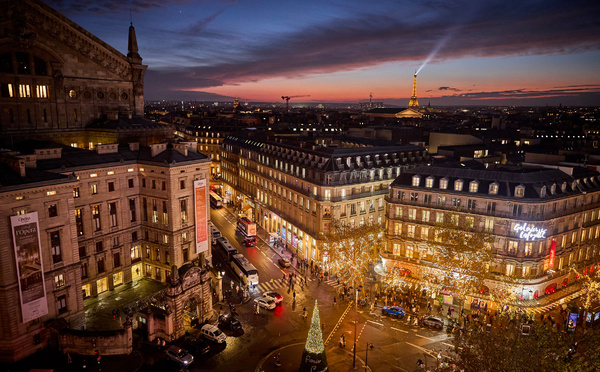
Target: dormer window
point(458, 185)
point(415, 181)
point(520, 191)
point(493, 189)
point(444, 183)
point(429, 182)
point(348, 161)
point(563, 187)
point(543, 192)
point(553, 189)
point(473, 186)
point(574, 184)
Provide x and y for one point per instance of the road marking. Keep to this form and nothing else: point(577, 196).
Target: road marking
point(379, 324)
point(447, 344)
point(426, 351)
point(428, 338)
point(399, 330)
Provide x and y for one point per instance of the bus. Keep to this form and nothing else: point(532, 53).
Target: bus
point(226, 249)
point(216, 201)
point(214, 233)
point(244, 269)
point(246, 226)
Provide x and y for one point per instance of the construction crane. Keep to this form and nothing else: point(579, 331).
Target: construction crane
point(287, 101)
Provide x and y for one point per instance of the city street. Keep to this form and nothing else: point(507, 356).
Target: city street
point(396, 345)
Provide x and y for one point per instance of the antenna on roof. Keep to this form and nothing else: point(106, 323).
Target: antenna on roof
point(130, 17)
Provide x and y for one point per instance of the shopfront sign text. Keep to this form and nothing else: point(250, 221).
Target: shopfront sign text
point(529, 232)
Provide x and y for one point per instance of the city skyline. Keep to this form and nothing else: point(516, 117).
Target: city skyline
point(467, 53)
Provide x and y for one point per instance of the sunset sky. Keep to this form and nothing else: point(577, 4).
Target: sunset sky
point(471, 52)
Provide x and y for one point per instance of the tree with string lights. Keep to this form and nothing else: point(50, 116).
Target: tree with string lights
point(459, 259)
point(590, 290)
point(352, 250)
point(313, 356)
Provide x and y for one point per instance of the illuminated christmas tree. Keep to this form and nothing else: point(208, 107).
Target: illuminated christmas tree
point(313, 357)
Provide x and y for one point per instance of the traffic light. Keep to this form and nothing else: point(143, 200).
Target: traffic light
point(98, 356)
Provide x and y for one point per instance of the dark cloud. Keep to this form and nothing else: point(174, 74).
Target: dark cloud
point(507, 28)
point(455, 28)
point(449, 88)
point(108, 6)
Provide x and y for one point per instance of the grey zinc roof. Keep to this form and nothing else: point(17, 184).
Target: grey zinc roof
point(76, 157)
point(533, 179)
point(8, 177)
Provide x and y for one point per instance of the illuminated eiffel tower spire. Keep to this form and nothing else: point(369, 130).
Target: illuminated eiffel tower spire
point(413, 100)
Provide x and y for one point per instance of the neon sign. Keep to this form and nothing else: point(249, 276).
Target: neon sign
point(529, 232)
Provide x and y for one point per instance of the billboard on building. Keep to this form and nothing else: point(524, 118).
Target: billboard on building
point(30, 270)
point(201, 214)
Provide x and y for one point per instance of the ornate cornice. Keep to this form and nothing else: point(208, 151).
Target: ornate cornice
point(41, 17)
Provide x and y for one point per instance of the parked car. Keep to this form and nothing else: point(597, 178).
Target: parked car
point(284, 262)
point(213, 333)
point(432, 321)
point(274, 296)
point(230, 322)
point(266, 303)
point(396, 311)
point(197, 346)
point(179, 355)
point(249, 241)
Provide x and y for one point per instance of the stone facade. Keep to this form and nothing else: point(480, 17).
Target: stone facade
point(296, 187)
point(121, 213)
point(58, 80)
point(545, 221)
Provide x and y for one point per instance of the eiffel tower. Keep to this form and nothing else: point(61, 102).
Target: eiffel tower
point(413, 100)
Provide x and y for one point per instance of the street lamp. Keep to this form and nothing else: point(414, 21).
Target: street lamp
point(355, 321)
point(369, 346)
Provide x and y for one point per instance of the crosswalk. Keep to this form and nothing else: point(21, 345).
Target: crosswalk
point(275, 284)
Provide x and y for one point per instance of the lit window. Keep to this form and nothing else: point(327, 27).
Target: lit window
point(519, 191)
point(416, 180)
point(458, 185)
point(443, 184)
point(429, 182)
point(59, 281)
point(53, 192)
point(493, 189)
point(41, 91)
point(24, 91)
point(473, 186)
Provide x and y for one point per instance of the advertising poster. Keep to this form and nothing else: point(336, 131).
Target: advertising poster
point(201, 211)
point(30, 271)
point(572, 322)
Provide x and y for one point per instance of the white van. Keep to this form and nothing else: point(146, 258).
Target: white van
point(213, 333)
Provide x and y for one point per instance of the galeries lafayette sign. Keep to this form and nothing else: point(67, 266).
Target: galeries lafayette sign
point(529, 232)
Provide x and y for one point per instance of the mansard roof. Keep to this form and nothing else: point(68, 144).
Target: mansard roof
point(363, 155)
point(533, 180)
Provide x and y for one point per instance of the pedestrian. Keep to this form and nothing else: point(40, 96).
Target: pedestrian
point(334, 300)
point(294, 296)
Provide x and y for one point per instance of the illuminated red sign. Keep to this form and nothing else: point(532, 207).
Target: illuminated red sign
point(552, 254)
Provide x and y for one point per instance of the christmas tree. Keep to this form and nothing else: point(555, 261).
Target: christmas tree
point(313, 357)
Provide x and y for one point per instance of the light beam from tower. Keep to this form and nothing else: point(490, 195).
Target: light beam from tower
point(413, 100)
